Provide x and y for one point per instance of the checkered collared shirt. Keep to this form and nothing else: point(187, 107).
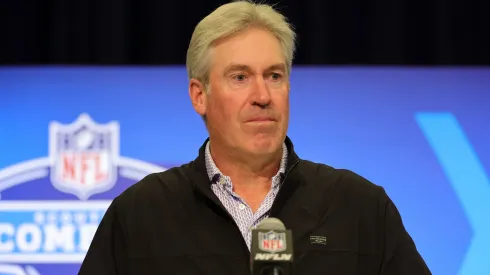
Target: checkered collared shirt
point(236, 206)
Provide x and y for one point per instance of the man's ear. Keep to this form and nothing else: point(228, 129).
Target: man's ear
point(197, 93)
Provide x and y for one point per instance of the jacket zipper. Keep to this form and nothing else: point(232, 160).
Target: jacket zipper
point(244, 243)
point(289, 170)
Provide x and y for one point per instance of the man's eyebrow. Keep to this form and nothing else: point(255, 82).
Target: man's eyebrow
point(237, 67)
point(242, 67)
point(279, 66)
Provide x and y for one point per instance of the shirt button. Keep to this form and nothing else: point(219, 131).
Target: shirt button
point(241, 206)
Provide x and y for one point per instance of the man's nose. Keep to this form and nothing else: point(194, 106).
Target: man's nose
point(261, 95)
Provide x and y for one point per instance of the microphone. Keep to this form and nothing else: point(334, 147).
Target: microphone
point(271, 249)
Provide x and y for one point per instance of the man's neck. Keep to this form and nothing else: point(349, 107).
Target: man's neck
point(245, 169)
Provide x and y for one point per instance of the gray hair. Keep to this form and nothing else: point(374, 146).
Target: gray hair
point(229, 19)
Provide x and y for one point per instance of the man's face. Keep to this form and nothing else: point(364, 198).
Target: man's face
point(247, 109)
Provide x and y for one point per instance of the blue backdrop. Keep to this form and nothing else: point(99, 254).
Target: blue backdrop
point(419, 132)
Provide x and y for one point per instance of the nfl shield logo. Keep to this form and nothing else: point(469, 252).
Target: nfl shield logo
point(83, 156)
point(272, 241)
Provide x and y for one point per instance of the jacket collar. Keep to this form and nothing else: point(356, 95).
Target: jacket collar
point(202, 184)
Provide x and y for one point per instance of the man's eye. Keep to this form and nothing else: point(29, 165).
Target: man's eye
point(240, 77)
point(276, 76)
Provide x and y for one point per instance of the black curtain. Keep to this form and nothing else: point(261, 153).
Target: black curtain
point(406, 32)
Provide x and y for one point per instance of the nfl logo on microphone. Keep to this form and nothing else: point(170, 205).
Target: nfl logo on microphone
point(272, 242)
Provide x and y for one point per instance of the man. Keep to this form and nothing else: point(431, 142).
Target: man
point(197, 218)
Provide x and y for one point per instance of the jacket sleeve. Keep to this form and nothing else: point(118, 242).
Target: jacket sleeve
point(400, 253)
point(106, 253)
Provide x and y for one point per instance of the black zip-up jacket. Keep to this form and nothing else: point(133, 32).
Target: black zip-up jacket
point(172, 223)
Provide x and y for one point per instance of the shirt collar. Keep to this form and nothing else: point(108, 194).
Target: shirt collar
point(214, 173)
